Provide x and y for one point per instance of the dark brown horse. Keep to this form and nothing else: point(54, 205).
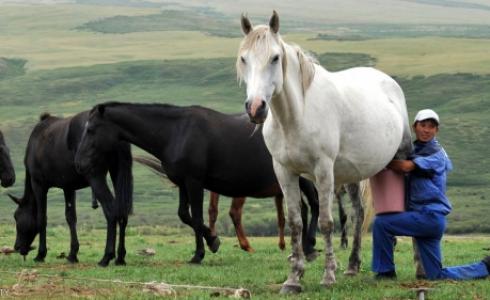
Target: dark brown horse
point(49, 162)
point(7, 172)
point(236, 210)
point(198, 148)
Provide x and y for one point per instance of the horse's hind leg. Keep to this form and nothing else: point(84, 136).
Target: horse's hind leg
point(355, 258)
point(344, 241)
point(236, 210)
point(281, 220)
point(213, 212)
point(194, 194)
point(419, 268)
point(325, 186)
point(406, 145)
point(71, 219)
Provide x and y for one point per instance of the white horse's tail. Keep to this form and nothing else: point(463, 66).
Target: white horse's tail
point(367, 202)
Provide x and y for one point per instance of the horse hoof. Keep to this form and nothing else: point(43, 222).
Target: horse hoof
point(291, 289)
point(195, 261)
point(214, 246)
point(282, 246)
point(351, 272)
point(120, 262)
point(249, 249)
point(328, 282)
point(72, 259)
point(39, 259)
point(103, 263)
point(311, 256)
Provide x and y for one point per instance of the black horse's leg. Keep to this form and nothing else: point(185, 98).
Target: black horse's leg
point(107, 201)
point(183, 212)
point(185, 216)
point(121, 215)
point(304, 237)
point(41, 200)
point(121, 248)
point(71, 219)
point(309, 239)
point(195, 195)
point(344, 242)
point(355, 258)
point(281, 220)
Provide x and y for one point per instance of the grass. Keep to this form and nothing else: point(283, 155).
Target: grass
point(262, 272)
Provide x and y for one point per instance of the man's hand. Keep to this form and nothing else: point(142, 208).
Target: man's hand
point(401, 166)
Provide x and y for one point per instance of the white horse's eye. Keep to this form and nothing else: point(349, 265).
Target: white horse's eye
point(243, 60)
point(275, 59)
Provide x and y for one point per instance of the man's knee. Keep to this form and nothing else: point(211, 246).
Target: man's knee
point(379, 222)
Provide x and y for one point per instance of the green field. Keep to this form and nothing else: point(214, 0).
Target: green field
point(262, 273)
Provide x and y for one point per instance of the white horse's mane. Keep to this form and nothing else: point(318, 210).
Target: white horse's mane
point(260, 39)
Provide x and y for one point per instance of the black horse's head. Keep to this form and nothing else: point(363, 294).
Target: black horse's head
point(99, 138)
point(26, 224)
point(7, 173)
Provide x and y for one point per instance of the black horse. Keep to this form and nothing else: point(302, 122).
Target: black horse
point(7, 172)
point(49, 162)
point(199, 149)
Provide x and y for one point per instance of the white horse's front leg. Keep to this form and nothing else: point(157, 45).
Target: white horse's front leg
point(290, 187)
point(325, 186)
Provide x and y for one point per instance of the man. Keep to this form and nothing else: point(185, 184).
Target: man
point(427, 207)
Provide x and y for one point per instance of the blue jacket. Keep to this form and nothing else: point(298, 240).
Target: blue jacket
point(428, 180)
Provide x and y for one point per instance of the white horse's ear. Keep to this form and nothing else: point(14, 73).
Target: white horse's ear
point(246, 25)
point(274, 22)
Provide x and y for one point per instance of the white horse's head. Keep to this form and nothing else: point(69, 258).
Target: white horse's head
point(260, 64)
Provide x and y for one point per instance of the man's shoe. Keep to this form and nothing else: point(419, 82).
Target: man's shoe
point(486, 261)
point(385, 275)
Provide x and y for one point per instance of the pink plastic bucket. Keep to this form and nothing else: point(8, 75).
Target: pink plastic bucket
point(388, 188)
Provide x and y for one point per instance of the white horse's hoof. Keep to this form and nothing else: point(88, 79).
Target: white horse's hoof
point(328, 279)
point(291, 289)
point(351, 272)
point(328, 283)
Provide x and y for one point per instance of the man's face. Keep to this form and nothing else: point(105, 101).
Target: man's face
point(425, 130)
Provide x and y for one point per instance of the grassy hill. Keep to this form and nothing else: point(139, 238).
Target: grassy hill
point(460, 99)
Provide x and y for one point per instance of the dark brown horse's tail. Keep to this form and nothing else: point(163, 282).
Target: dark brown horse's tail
point(124, 179)
point(154, 164)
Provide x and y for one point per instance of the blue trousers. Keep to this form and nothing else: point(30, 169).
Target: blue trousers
point(427, 228)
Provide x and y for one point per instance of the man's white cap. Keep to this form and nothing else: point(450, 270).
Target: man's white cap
point(426, 114)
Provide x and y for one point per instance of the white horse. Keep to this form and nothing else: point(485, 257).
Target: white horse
point(331, 127)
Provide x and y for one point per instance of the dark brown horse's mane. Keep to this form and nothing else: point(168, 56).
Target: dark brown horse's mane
point(145, 105)
point(44, 116)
